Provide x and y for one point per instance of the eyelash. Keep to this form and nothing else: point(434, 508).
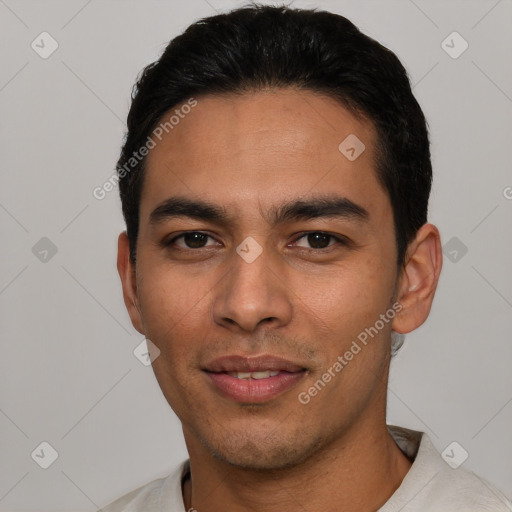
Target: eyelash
point(340, 240)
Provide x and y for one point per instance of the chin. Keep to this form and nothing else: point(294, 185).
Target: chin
point(264, 451)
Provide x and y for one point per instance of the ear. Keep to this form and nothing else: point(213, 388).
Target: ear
point(127, 274)
point(418, 280)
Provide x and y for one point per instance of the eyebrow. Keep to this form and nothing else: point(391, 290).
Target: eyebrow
point(334, 207)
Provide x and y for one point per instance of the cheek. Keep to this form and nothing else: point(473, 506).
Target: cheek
point(345, 317)
point(174, 316)
point(164, 290)
point(174, 312)
point(349, 298)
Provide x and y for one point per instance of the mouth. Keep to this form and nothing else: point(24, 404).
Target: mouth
point(265, 374)
point(253, 380)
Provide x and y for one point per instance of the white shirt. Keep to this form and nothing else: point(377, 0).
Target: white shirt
point(431, 485)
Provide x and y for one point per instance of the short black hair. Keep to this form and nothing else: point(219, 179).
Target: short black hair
point(260, 47)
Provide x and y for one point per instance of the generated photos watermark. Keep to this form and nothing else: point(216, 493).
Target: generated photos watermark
point(356, 347)
point(100, 192)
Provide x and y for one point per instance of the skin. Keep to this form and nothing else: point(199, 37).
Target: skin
point(251, 153)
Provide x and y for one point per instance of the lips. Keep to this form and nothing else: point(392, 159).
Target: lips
point(253, 379)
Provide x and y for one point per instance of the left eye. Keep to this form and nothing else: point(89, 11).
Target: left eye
point(317, 240)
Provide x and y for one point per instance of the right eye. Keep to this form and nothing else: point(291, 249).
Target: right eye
point(190, 240)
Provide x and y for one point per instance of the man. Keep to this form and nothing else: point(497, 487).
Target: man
point(275, 181)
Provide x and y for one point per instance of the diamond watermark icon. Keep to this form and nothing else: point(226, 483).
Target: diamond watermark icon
point(44, 45)
point(454, 455)
point(249, 249)
point(351, 147)
point(44, 455)
point(454, 45)
point(454, 249)
point(44, 250)
point(146, 352)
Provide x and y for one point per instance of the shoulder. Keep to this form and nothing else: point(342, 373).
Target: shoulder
point(162, 494)
point(458, 489)
point(432, 485)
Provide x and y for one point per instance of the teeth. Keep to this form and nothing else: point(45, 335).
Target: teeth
point(260, 375)
point(254, 375)
point(242, 375)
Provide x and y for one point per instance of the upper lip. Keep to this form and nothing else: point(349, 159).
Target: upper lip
point(237, 363)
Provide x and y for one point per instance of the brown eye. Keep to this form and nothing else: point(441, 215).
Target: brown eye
point(195, 240)
point(317, 240)
point(191, 240)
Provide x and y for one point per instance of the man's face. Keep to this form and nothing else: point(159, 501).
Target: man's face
point(321, 278)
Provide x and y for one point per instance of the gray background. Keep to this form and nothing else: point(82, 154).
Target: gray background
point(69, 375)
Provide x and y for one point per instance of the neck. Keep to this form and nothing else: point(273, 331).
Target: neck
point(358, 472)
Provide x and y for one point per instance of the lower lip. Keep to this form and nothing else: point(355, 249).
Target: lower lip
point(255, 391)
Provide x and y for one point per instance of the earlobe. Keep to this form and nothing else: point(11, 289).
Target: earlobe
point(419, 279)
point(128, 280)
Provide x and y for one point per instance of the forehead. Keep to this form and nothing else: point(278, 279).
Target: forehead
point(264, 147)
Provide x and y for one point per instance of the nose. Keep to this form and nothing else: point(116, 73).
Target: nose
point(253, 294)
